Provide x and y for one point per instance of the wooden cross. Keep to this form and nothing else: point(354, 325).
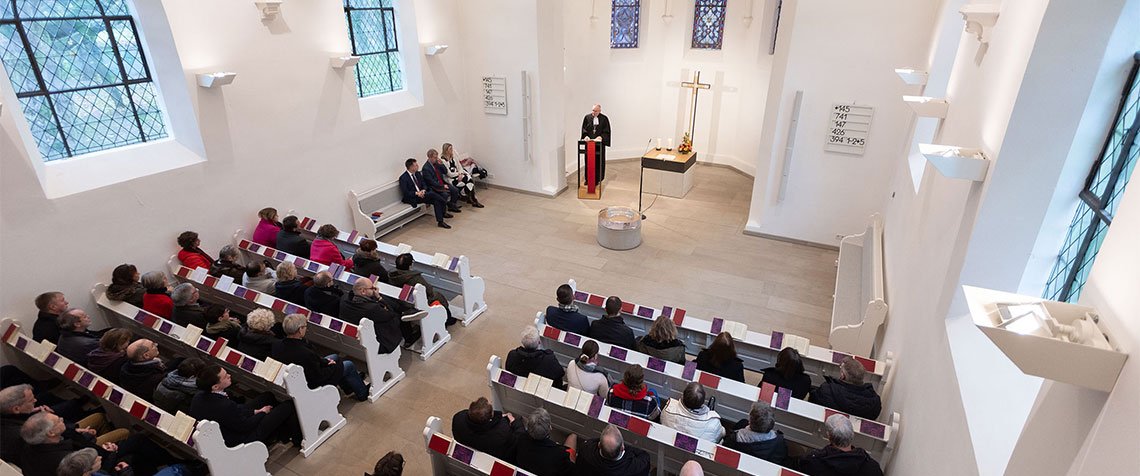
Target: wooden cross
point(696, 85)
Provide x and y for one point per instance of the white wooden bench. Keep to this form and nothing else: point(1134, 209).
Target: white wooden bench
point(386, 199)
point(800, 420)
point(757, 350)
point(316, 408)
point(199, 439)
point(432, 319)
point(586, 415)
point(453, 278)
point(860, 301)
point(449, 458)
point(357, 341)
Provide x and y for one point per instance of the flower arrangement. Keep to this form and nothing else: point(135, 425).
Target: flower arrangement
point(686, 144)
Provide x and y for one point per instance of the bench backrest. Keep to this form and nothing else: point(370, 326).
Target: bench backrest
point(860, 302)
point(800, 420)
point(448, 457)
point(585, 414)
point(758, 350)
point(380, 197)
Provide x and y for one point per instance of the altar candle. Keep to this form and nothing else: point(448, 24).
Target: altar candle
point(658, 143)
point(670, 143)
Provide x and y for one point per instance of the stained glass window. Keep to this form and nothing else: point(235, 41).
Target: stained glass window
point(79, 74)
point(708, 24)
point(624, 23)
point(372, 30)
point(1100, 197)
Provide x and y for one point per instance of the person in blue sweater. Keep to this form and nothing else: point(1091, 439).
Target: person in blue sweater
point(565, 315)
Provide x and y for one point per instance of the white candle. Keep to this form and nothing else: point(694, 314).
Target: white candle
point(658, 143)
point(670, 143)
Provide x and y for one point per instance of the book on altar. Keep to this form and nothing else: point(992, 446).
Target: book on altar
point(440, 260)
point(403, 248)
point(190, 337)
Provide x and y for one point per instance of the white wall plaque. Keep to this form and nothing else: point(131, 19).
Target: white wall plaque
point(495, 95)
point(847, 128)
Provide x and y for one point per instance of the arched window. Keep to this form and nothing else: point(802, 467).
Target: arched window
point(708, 24)
point(372, 30)
point(80, 75)
point(1100, 197)
point(625, 23)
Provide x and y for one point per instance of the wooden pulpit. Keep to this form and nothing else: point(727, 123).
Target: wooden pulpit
point(591, 156)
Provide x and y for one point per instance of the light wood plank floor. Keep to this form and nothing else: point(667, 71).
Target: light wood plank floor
point(694, 256)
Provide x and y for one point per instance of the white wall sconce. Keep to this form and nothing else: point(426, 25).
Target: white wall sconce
point(957, 162)
point(1049, 339)
point(340, 62)
point(748, 18)
point(433, 50)
point(980, 19)
point(667, 16)
point(269, 8)
point(927, 106)
point(912, 77)
point(211, 80)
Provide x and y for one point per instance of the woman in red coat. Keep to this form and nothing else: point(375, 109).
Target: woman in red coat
point(267, 228)
point(157, 298)
point(324, 251)
point(191, 255)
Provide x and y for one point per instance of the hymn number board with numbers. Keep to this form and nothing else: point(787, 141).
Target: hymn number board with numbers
point(848, 126)
point(495, 95)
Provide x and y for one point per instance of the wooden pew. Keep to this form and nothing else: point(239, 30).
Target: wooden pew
point(433, 323)
point(801, 421)
point(178, 433)
point(386, 199)
point(860, 306)
point(758, 350)
point(356, 341)
point(450, 458)
point(314, 407)
point(587, 415)
point(453, 278)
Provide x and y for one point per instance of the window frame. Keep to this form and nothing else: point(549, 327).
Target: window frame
point(388, 49)
point(124, 81)
point(1099, 205)
point(723, 6)
point(636, 29)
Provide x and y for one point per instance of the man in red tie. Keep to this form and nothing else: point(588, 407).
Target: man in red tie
point(435, 172)
point(415, 191)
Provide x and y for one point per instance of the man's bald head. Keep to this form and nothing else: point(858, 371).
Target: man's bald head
point(611, 443)
point(361, 285)
point(138, 350)
point(692, 468)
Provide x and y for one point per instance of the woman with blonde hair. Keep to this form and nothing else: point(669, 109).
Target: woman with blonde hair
point(288, 287)
point(661, 341)
point(258, 339)
point(460, 175)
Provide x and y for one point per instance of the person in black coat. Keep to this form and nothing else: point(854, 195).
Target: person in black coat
point(565, 315)
point(481, 428)
point(288, 287)
point(259, 420)
point(294, 349)
point(290, 240)
point(415, 191)
point(186, 310)
point(789, 373)
point(596, 125)
point(258, 340)
point(50, 304)
point(720, 359)
point(366, 262)
point(47, 441)
point(849, 394)
point(538, 454)
point(529, 358)
point(435, 174)
point(144, 371)
point(758, 435)
point(385, 313)
point(75, 340)
point(609, 456)
point(611, 329)
point(323, 297)
point(840, 457)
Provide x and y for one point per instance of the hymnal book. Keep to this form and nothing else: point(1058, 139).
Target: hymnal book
point(204, 344)
point(307, 223)
point(86, 379)
point(678, 316)
point(596, 406)
point(300, 262)
point(690, 369)
point(453, 265)
point(181, 427)
point(585, 402)
point(52, 359)
point(666, 311)
point(685, 442)
point(717, 325)
point(508, 379)
point(71, 371)
point(439, 260)
point(12, 330)
point(193, 332)
point(639, 426)
point(42, 350)
point(351, 330)
point(254, 247)
point(244, 244)
point(210, 281)
point(709, 380)
point(646, 312)
point(618, 353)
point(335, 269)
point(233, 357)
point(219, 344)
point(580, 296)
point(198, 275)
point(101, 389)
point(544, 386)
point(619, 419)
point(531, 384)
point(874, 429)
point(777, 341)
point(183, 272)
point(352, 278)
point(867, 363)
point(551, 332)
point(403, 248)
point(783, 398)
point(268, 252)
point(406, 293)
point(572, 339)
point(336, 324)
point(656, 364)
point(278, 305)
point(352, 236)
point(138, 410)
point(737, 330)
point(462, 453)
point(116, 396)
point(766, 392)
point(501, 469)
point(596, 300)
point(726, 457)
point(280, 256)
point(439, 444)
point(627, 307)
point(796, 342)
point(249, 364)
point(572, 396)
point(165, 326)
point(838, 357)
point(225, 283)
point(313, 266)
point(269, 369)
point(152, 416)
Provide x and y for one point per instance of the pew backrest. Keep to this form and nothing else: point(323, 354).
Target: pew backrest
point(860, 307)
point(387, 200)
point(448, 457)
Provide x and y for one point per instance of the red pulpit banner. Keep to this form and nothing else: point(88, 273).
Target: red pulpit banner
point(591, 159)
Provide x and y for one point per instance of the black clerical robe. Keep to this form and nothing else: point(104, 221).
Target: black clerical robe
point(592, 129)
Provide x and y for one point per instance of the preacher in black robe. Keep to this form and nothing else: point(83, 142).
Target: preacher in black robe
point(593, 125)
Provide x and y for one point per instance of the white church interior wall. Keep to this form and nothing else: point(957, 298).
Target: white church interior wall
point(287, 133)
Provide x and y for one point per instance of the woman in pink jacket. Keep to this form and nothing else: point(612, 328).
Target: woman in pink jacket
point(267, 228)
point(324, 251)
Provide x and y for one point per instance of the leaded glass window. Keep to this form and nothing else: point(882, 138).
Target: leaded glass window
point(1100, 197)
point(624, 23)
point(79, 74)
point(708, 24)
point(372, 30)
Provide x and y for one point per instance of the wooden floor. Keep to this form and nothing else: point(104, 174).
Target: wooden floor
point(694, 256)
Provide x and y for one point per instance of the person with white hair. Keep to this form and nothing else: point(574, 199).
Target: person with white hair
point(531, 357)
point(187, 311)
point(329, 370)
point(609, 456)
point(227, 264)
point(758, 435)
point(850, 393)
point(540, 455)
point(840, 457)
point(47, 443)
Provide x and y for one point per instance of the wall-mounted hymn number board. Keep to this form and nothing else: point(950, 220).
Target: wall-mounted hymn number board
point(495, 95)
point(847, 128)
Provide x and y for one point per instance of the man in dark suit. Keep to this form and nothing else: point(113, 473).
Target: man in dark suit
point(290, 240)
point(294, 349)
point(597, 126)
point(482, 428)
point(435, 172)
point(415, 190)
point(612, 329)
point(50, 304)
point(609, 456)
point(257, 420)
point(385, 313)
